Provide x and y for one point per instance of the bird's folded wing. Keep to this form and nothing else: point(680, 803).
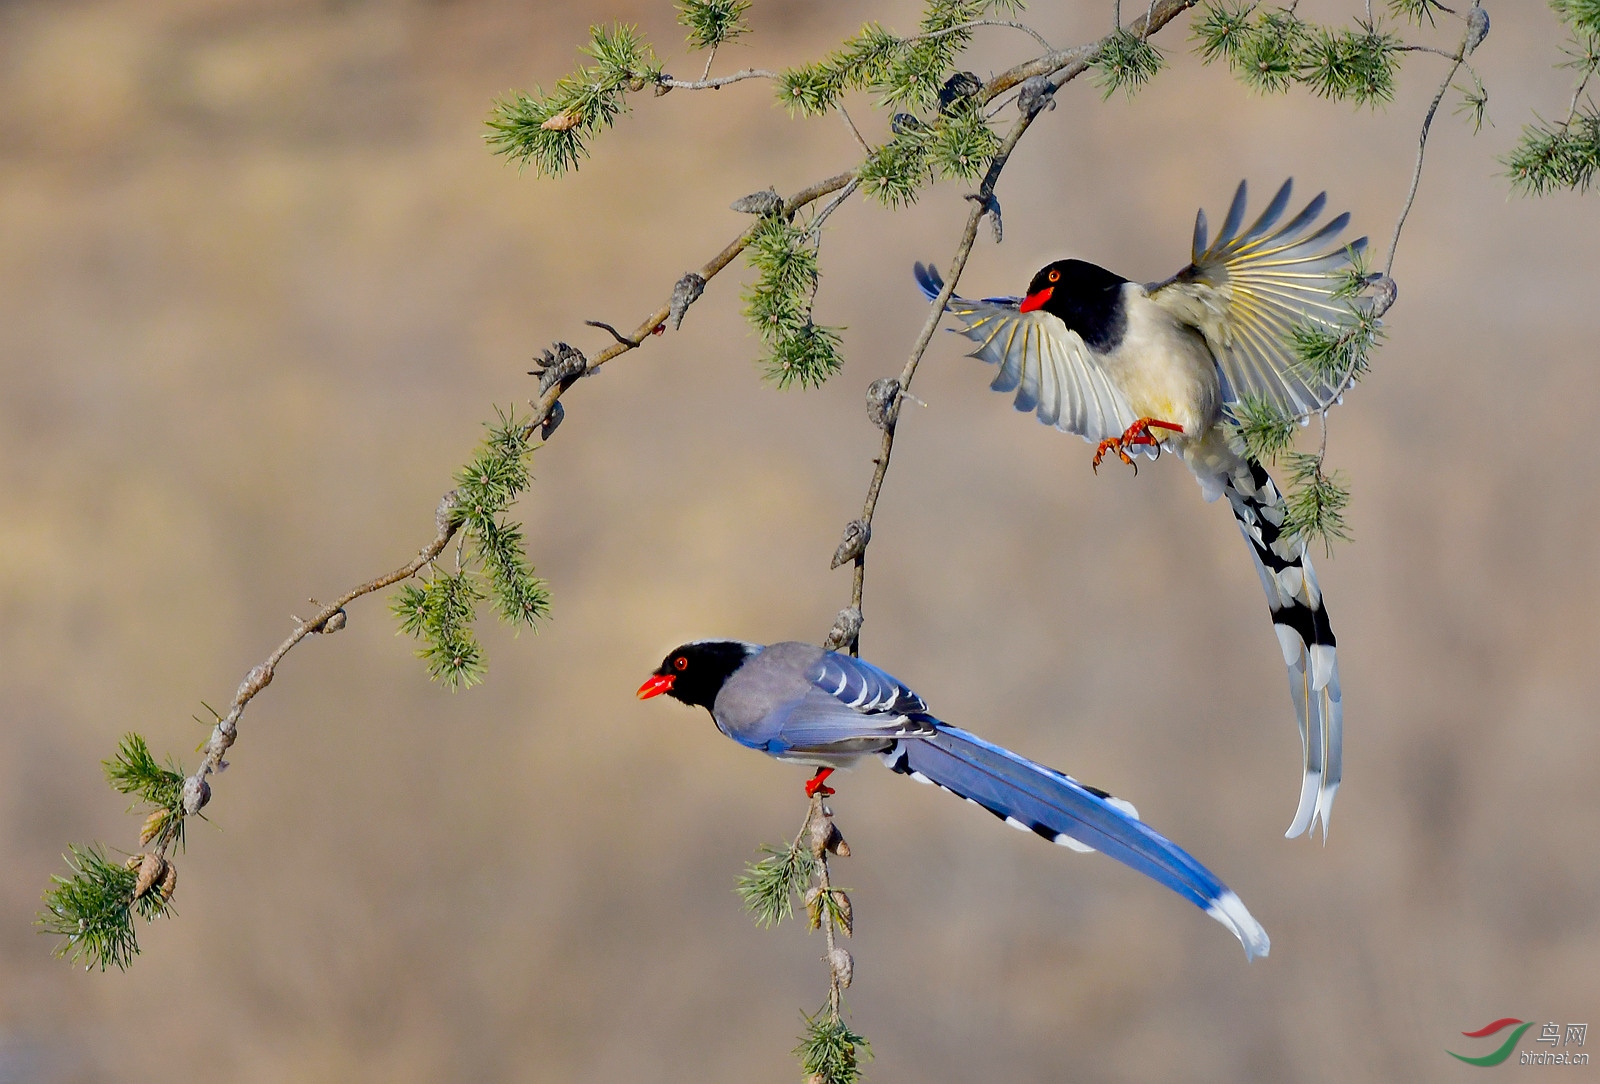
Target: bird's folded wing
point(851, 706)
point(1050, 368)
point(1248, 291)
point(862, 687)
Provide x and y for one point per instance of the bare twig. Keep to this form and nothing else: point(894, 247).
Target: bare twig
point(854, 130)
point(712, 55)
point(1064, 66)
point(1577, 96)
point(719, 81)
point(1025, 28)
point(1447, 54)
point(1456, 60)
point(832, 206)
point(615, 334)
point(825, 904)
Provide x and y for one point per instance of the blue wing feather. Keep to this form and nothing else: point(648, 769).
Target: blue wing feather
point(863, 687)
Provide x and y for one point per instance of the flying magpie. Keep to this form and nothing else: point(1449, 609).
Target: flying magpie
point(1137, 368)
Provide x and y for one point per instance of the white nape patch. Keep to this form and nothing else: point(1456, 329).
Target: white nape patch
point(1067, 841)
point(1293, 646)
point(920, 778)
point(1323, 666)
point(1309, 786)
point(1018, 825)
point(1124, 805)
point(1230, 910)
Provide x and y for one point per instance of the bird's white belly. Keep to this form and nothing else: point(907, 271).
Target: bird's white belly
point(1164, 368)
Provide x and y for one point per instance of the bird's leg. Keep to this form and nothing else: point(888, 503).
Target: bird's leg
point(817, 784)
point(1137, 434)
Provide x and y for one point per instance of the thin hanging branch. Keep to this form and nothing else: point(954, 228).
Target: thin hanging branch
point(1055, 70)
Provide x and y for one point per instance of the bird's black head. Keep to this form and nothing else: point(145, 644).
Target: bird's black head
point(1087, 298)
point(695, 672)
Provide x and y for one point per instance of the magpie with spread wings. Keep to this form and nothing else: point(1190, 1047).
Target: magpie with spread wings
point(1138, 368)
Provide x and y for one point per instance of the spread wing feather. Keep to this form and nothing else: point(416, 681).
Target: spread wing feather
point(1050, 368)
point(1249, 291)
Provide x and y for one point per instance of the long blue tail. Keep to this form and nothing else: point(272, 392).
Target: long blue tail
point(1059, 808)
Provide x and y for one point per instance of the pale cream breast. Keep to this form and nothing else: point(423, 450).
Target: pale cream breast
point(1164, 368)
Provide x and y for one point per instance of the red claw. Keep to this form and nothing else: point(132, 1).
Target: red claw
point(817, 784)
point(1137, 434)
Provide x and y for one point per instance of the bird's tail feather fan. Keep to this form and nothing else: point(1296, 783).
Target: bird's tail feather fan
point(1301, 622)
point(1057, 807)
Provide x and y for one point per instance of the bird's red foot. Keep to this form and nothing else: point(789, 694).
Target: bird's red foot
point(1137, 435)
point(817, 784)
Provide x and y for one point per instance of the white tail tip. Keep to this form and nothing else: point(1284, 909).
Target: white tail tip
point(1230, 910)
point(1310, 787)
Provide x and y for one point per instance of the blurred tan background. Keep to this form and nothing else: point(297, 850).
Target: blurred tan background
point(259, 283)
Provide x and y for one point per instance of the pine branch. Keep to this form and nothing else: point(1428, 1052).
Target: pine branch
point(93, 907)
point(551, 132)
point(828, 1049)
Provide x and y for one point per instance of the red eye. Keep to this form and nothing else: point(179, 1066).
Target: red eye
point(680, 663)
point(1054, 276)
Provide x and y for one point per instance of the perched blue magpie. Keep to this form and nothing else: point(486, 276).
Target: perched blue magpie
point(798, 702)
point(1138, 368)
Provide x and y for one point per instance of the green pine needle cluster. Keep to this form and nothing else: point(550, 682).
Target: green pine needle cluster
point(904, 72)
point(1126, 62)
point(829, 1051)
point(1474, 104)
point(442, 608)
point(552, 132)
point(1263, 430)
point(441, 612)
point(1416, 11)
point(712, 22)
point(778, 305)
point(1315, 503)
point(1550, 157)
point(1335, 354)
point(1353, 65)
point(895, 172)
point(1271, 51)
point(1582, 15)
point(94, 909)
point(770, 887)
point(133, 771)
point(956, 144)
